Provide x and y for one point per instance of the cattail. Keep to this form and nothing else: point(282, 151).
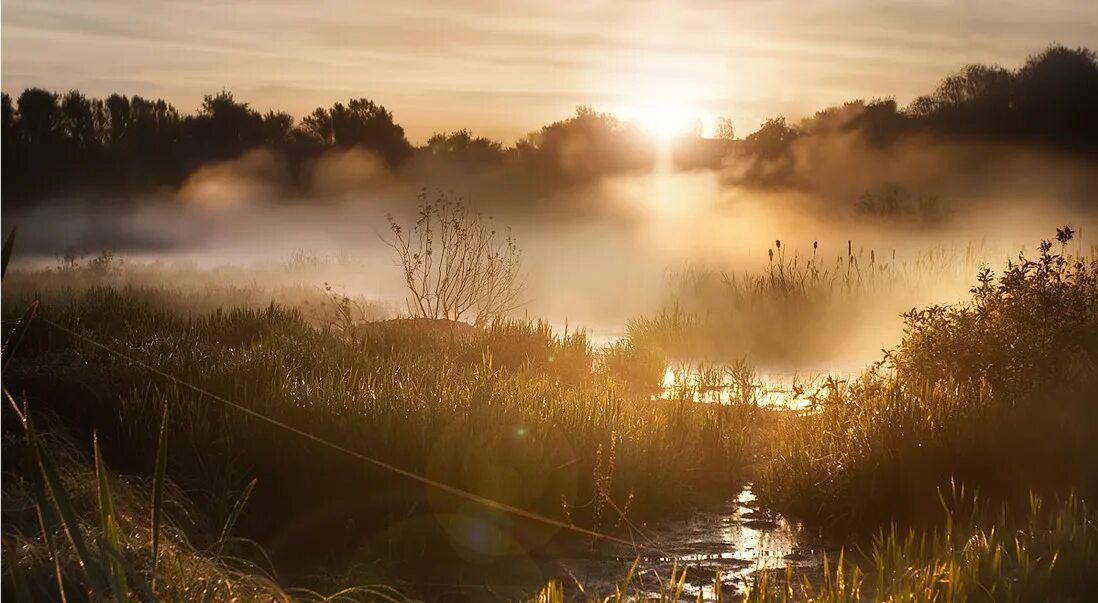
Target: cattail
point(848, 248)
point(778, 244)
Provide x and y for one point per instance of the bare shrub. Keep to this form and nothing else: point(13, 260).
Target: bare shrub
point(456, 264)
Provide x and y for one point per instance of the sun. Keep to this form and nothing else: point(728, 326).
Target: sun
point(663, 120)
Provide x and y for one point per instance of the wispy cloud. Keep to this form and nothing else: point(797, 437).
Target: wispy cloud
point(505, 67)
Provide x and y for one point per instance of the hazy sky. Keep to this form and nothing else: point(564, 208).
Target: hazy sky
point(502, 68)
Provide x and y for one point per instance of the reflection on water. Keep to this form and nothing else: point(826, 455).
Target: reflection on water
point(739, 383)
point(736, 541)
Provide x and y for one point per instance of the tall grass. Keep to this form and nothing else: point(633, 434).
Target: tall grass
point(797, 307)
point(75, 532)
point(511, 412)
point(978, 552)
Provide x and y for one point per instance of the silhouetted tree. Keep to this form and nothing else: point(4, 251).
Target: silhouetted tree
point(62, 143)
point(462, 147)
point(880, 122)
point(360, 123)
point(224, 128)
point(146, 145)
point(585, 146)
point(11, 154)
point(772, 139)
point(278, 129)
point(1056, 98)
point(976, 101)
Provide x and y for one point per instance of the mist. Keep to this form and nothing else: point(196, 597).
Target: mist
point(614, 222)
point(599, 253)
point(318, 352)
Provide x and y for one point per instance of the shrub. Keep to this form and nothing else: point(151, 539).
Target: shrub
point(998, 393)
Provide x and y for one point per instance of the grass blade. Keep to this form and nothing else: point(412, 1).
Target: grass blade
point(109, 524)
point(135, 576)
point(234, 515)
point(9, 246)
point(19, 585)
point(159, 475)
point(62, 503)
point(17, 334)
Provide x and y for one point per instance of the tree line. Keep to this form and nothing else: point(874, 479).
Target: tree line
point(1050, 102)
point(56, 144)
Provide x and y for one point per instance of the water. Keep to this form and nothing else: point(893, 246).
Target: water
point(776, 387)
point(737, 541)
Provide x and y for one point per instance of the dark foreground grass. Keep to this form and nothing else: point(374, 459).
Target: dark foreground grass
point(74, 531)
point(511, 412)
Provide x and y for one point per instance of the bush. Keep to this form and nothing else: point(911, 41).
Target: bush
point(998, 393)
point(1027, 335)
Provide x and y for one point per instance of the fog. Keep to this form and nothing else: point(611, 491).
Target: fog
point(599, 253)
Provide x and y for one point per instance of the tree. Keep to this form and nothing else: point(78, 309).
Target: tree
point(1056, 98)
point(278, 129)
point(360, 123)
point(456, 264)
point(772, 139)
point(318, 125)
point(724, 130)
point(225, 128)
point(462, 146)
point(585, 146)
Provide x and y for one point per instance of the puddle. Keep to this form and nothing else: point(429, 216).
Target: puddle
point(738, 540)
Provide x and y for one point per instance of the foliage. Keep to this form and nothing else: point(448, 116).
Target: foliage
point(997, 394)
point(360, 123)
point(463, 148)
point(55, 144)
point(1025, 333)
point(528, 411)
point(455, 264)
point(75, 532)
point(61, 143)
point(800, 306)
point(978, 553)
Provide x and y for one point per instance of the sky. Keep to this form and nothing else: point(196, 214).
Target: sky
point(504, 68)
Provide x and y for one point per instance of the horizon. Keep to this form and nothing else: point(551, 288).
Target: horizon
point(504, 74)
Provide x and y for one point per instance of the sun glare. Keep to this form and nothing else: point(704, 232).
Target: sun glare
point(663, 120)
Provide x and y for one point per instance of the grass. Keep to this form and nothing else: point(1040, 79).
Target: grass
point(996, 394)
point(94, 536)
point(511, 412)
point(979, 552)
point(304, 281)
point(796, 308)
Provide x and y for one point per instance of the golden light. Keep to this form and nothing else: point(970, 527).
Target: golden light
point(663, 120)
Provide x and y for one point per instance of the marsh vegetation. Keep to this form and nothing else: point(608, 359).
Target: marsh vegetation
point(243, 431)
point(902, 411)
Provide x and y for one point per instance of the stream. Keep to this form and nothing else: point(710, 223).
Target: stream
point(736, 540)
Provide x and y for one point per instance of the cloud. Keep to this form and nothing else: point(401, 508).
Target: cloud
point(741, 58)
